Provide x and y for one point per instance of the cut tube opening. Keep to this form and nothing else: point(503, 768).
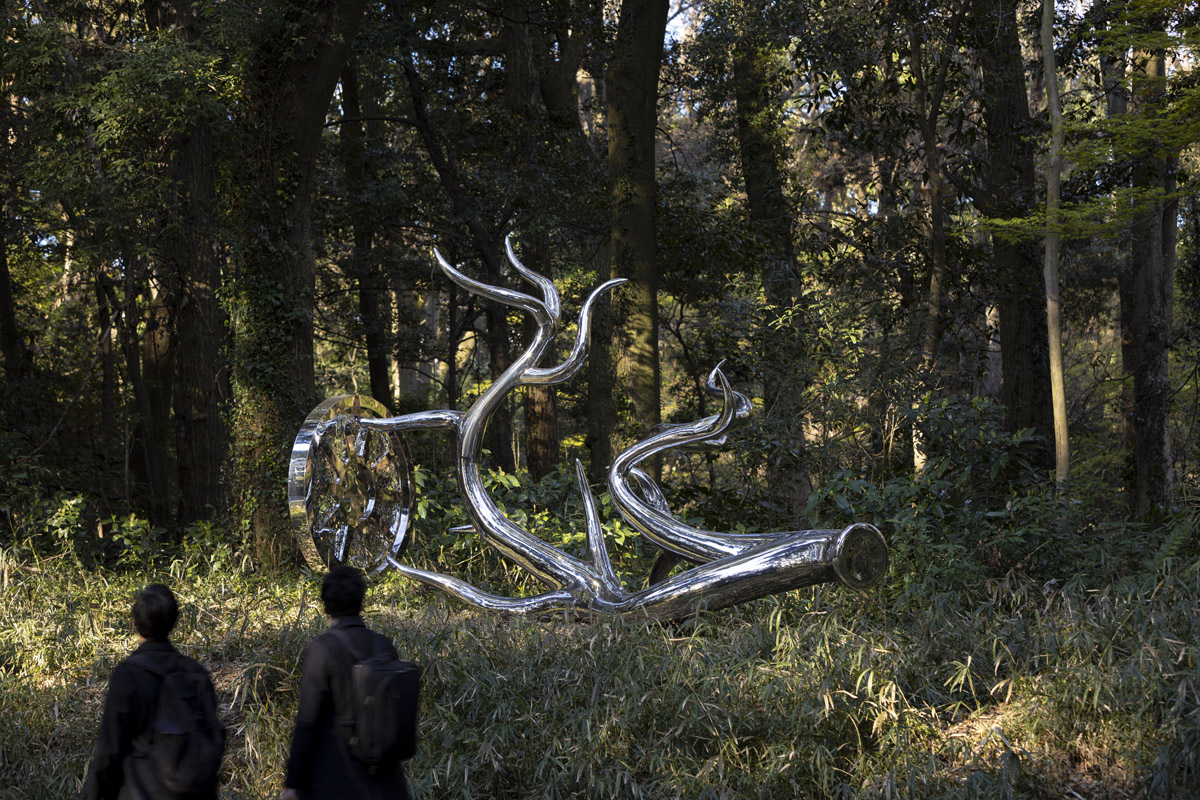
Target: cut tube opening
point(861, 558)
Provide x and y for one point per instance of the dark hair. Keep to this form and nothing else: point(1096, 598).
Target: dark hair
point(155, 612)
point(342, 591)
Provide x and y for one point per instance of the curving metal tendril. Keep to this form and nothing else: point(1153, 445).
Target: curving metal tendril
point(351, 491)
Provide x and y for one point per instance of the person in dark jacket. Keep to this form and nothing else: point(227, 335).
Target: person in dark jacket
point(320, 766)
point(119, 770)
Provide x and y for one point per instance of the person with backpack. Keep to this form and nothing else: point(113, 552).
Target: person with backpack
point(356, 723)
point(160, 737)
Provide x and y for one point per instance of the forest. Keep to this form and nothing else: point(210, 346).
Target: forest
point(949, 250)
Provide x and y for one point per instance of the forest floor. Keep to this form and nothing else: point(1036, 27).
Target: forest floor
point(1008, 689)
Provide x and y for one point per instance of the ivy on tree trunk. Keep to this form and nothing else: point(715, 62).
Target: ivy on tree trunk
point(292, 73)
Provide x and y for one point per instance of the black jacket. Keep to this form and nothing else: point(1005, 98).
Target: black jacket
point(129, 709)
point(320, 766)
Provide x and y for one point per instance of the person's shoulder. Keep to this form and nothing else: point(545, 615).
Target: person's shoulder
point(125, 671)
point(323, 644)
point(325, 639)
point(337, 638)
point(139, 662)
point(189, 664)
point(163, 662)
point(135, 670)
point(386, 641)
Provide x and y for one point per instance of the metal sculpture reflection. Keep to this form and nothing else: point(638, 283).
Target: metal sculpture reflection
point(343, 511)
point(350, 488)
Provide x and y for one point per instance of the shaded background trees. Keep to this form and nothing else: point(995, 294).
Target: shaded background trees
point(214, 216)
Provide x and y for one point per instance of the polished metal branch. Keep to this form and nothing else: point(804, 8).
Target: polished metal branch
point(351, 493)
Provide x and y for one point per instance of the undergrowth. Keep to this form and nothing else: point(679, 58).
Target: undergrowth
point(983, 685)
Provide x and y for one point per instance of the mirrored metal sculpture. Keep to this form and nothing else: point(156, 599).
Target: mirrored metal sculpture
point(350, 488)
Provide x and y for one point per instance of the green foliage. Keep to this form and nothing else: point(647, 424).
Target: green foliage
point(34, 513)
point(551, 509)
point(38, 520)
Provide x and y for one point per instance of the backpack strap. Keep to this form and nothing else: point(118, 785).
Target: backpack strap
point(342, 688)
point(344, 636)
point(141, 742)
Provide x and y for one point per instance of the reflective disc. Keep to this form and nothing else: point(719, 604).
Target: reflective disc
point(350, 489)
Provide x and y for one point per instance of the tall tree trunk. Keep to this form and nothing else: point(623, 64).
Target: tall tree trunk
point(937, 256)
point(523, 82)
point(292, 76)
point(888, 428)
point(373, 298)
point(541, 402)
point(1009, 193)
point(929, 105)
point(1152, 248)
point(541, 421)
point(760, 138)
point(1116, 95)
point(108, 381)
point(632, 117)
point(16, 359)
point(191, 260)
point(543, 51)
point(602, 378)
point(158, 366)
point(148, 464)
point(16, 362)
point(417, 320)
point(202, 390)
point(1062, 457)
point(500, 427)
point(452, 339)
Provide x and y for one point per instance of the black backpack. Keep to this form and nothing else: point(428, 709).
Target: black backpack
point(185, 741)
point(378, 715)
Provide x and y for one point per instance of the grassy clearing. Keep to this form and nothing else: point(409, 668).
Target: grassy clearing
point(1001, 689)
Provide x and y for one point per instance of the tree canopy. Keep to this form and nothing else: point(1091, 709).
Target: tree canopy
point(216, 215)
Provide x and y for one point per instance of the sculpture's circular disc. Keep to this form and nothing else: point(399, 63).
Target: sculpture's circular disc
point(862, 556)
point(350, 489)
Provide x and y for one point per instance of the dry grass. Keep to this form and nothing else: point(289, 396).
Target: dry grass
point(814, 694)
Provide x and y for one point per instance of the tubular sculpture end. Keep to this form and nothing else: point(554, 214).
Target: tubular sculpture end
point(860, 556)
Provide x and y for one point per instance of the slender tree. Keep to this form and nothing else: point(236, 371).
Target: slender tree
point(758, 81)
point(16, 358)
point(1062, 455)
point(374, 305)
point(1152, 256)
point(543, 55)
point(189, 315)
point(485, 240)
point(632, 93)
point(929, 92)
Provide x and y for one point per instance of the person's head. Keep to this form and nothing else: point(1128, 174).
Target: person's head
point(155, 612)
point(342, 592)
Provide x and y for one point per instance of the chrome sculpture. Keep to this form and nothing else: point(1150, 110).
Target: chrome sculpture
point(350, 488)
point(351, 492)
